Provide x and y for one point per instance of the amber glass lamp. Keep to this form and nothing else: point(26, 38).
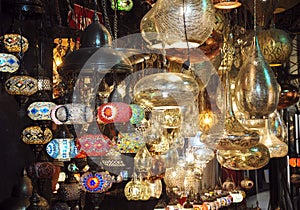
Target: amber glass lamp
point(226, 4)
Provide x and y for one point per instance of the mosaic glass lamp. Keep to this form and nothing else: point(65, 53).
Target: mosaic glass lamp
point(71, 114)
point(62, 149)
point(94, 144)
point(97, 182)
point(21, 85)
point(9, 63)
point(14, 43)
point(40, 110)
point(36, 135)
point(114, 112)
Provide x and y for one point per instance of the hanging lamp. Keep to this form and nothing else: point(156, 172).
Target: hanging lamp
point(164, 25)
point(256, 88)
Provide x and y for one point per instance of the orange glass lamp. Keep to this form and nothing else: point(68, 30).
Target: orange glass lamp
point(294, 162)
point(226, 4)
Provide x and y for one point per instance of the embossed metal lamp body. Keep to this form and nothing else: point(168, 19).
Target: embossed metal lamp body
point(276, 46)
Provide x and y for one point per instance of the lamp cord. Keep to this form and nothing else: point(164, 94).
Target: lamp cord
point(186, 63)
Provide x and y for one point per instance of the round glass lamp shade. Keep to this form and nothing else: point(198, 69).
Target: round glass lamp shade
point(14, 43)
point(71, 114)
point(62, 149)
point(166, 89)
point(256, 88)
point(8, 63)
point(40, 110)
point(94, 144)
point(114, 112)
point(252, 158)
point(137, 189)
point(169, 22)
point(36, 135)
point(21, 85)
point(98, 182)
point(276, 46)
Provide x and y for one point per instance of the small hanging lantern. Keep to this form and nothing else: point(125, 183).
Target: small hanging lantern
point(71, 114)
point(36, 135)
point(21, 85)
point(138, 114)
point(122, 5)
point(98, 182)
point(8, 63)
point(14, 43)
point(40, 110)
point(115, 112)
point(143, 160)
point(95, 144)
point(129, 142)
point(247, 183)
point(137, 189)
point(41, 170)
point(62, 149)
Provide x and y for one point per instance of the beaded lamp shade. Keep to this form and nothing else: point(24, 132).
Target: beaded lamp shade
point(40, 110)
point(14, 43)
point(8, 63)
point(114, 112)
point(94, 144)
point(21, 85)
point(62, 149)
point(98, 182)
point(36, 135)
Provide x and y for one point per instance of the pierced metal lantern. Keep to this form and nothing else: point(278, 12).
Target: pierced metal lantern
point(8, 63)
point(36, 135)
point(42, 170)
point(21, 85)
point(40, 110)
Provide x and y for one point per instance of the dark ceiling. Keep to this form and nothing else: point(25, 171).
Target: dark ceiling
point(128, 22)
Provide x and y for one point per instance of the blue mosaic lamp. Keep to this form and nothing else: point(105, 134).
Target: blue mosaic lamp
point(40, 110)
point(96, 182)
point(8, 63)
point(62, 149)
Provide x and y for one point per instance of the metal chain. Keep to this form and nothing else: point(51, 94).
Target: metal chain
point(115, 21)
point(106, 19)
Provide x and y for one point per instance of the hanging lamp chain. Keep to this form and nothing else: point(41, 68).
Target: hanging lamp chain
point(106, 18)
